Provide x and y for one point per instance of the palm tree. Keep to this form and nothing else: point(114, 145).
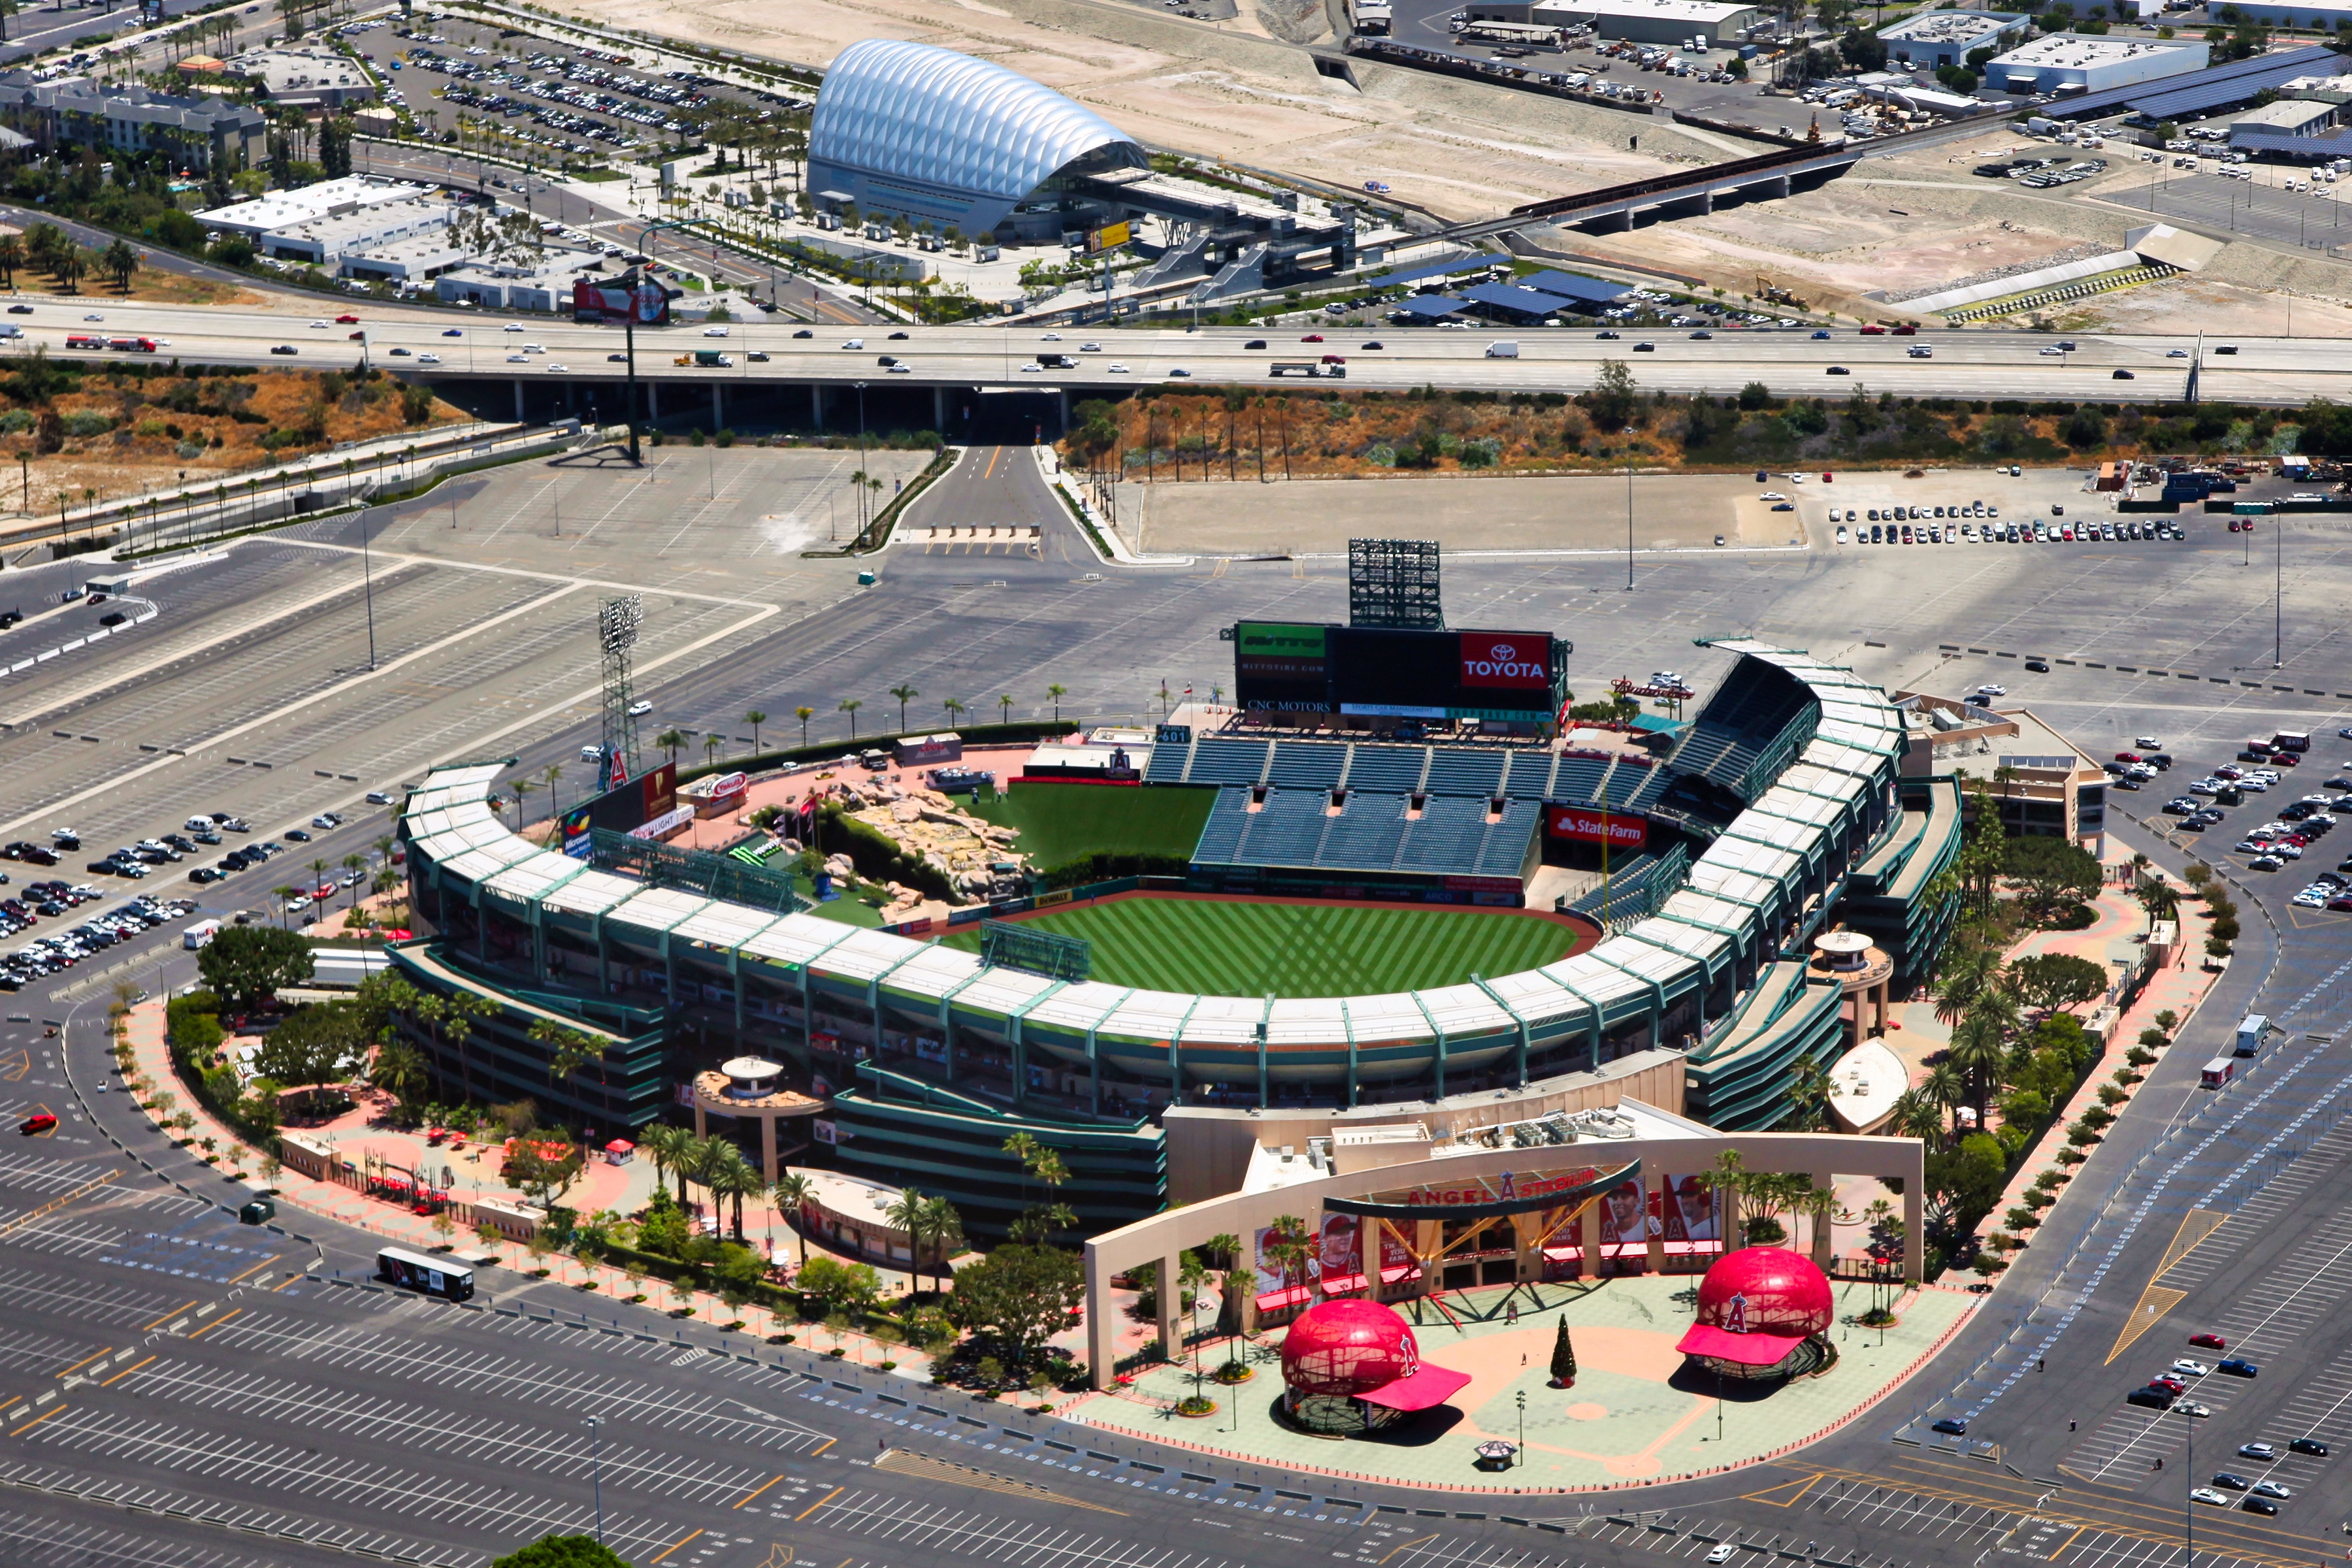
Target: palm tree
point(569, 1050)
point(705, 1159)
point(943, 1227)
point(399, 1068)
point(667, 1146)
point(904, 694)
point(850, 706)
point(731, 1179)
point(355, 863)
point(803, 713)
point(711, 747)
point(1943, 1088)
point(755, 718)
point(121, 261)
point(953, 708)
point(671, 741)
point(910, 1212)
point(1057, 691)
point(1967, 974)
point(1004, 709)
point(12, 257)
point(1917, 1116)
point(461, 1013)
point(522, 788)
point(552, 774)
point(1978, 1052)
point(791, 1191)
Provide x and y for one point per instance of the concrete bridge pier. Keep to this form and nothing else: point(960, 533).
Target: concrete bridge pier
point(817, 406)
point(518, 386)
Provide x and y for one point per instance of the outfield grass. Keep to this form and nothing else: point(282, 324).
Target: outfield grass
point(1243, 949)
point(1060, 822)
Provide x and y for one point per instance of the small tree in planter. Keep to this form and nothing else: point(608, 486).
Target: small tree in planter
point(272, 1167)
point(538, 1245)
point(444, 1225)
point(1563, 1357)
point(682, 1288)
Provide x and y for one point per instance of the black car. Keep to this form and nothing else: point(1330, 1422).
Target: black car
point(2039, 665)
point(203, 874)
point(1606, 336)
point(2124, 375)
point(1375, 346)
point(20, 309)
point(300, 836)
point(2259, 1505)
point(2311, 1446)
point(1645, 348)
point(804, 333)
point(898, 337)
point(1837, 370)
point(2228, 1480)
point(1254, 343)
point(1953, 1425)
point(2153, 1399)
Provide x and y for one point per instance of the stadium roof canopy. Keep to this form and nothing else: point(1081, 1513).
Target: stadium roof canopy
point(913, 128)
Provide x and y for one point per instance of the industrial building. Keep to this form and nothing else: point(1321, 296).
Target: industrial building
point(325, 242)
point(542, 283)
point(2073, 63)
point(2320, 17)
point(2307, 129)
point(304, 78)
point(288, 210)
point(1935, 38)
point(77, 112)
point(1668, 22)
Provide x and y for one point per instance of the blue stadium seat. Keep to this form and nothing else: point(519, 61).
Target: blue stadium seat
point(1222, 762)
point(1387, 770)
point(1221, 836)
point(1462, 770)
point(1579, 779)
point(1307, 764)
point(1530, 772)
point(1167, 764)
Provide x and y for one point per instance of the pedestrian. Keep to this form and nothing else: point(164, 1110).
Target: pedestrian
point(2070, 1426)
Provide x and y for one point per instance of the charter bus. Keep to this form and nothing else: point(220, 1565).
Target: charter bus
point(434, 1276)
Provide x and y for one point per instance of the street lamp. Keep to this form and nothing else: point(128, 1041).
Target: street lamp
point(596, 1463)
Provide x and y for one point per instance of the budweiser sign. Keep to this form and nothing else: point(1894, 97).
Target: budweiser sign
point(1591, 828)
point(1520, 660)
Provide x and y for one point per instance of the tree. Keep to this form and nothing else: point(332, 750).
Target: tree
point(120, 262)
point(2050, 981)
point(12, 257)
point(755, 717)
point(1563, 1358)
point(1019, 1296)
point(543, 1177)
point(401, 1071)
point(710, 743)
point(1057, 691)
point(562, 1551)
point(904, 694)
point(1967, 973)
point(671, 741)
point(849, 705)
point(732, 1178)
point(244, 966)
point(1978, 1052)
point(2057, 872)
point(671, 1148)
point(1969, 1177)
point(1612, 401)
point(314, 1047)
point(791, 1190)
point(569, 1050)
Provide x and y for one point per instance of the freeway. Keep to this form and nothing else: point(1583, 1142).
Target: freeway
point(449, 343)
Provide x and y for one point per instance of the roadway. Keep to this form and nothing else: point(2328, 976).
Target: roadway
point(480, 343)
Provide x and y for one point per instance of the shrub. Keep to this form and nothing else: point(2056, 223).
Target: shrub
point(88, 422)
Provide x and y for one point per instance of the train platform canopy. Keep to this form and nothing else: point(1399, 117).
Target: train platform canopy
point(1454, 268)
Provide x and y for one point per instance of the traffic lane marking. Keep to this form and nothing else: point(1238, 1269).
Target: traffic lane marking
point(126, 1371)
point(818, 1504)
point(762, 1489)
point(37, 1420)
point(672, 1547)
point(217, 1323)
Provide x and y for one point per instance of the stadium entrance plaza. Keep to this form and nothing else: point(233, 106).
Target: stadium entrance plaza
point(1635, 1413)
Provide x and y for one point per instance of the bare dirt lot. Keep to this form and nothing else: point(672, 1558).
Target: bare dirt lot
point(1319, 516)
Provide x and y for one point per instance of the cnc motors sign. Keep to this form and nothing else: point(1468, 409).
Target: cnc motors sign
point(1591, 828)
point(1516, 661)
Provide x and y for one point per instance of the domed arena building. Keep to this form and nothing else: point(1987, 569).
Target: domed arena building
point(1355, 1366)
point(1763, 1313)
point(947, 141)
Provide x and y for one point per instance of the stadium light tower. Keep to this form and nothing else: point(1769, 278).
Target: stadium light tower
point(617, 623)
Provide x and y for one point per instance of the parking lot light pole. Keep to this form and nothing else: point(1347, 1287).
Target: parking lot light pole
point(596, 1471)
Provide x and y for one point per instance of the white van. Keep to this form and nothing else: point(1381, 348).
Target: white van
point(1504, 350)
point(200, 934)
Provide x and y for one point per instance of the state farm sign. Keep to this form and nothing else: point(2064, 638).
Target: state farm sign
point(1521, 661)
point(1591, 828)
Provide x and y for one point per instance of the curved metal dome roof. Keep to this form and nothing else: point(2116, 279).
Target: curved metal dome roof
point(917, 111)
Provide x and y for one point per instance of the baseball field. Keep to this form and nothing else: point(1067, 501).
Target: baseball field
point(1298, 947)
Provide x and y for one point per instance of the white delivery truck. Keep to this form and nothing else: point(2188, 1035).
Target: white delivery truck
point(1504, 350)
point(200, 934)
point(2251, 1031)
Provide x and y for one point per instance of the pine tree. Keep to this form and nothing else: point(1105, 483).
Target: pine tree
point(1563, 1358)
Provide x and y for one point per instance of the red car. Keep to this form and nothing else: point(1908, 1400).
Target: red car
point(2286, 760)
point(1312, 338)
point(2209, 1341)
point(323, 890)
point(39, 1121)
point(1873, 331)
point(2129, 757)
point(346, 320)
point(2172, 1385)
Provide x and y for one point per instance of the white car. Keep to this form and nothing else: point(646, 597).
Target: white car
point(514, 326)
point(1771, 495)
point(640, 708)
point(2186, 1367)
point(1993, 688)
point(1722, 1553)
point(1031, 367)
point(1051, 338)
point(428, 358)
point(852, 342)
point(315, 326)
point(518, 359)
point(1090, 348)
point(714, 331)
point(2207, 1495)
point(2050, 353)
point(2312, 897)
point(298, 902)
point(1115, 369)
point(1842, 534)
point(559, 370)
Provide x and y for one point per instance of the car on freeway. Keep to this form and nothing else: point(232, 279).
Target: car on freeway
point(316, 326)
point(1952, 1426)
point(1702, 336)
point(804, 333)
point(398, 354)
point(285, 349)
point(1645, 348)
point(20, 309)
point(2177, 354)
point(1606, 336)
point(2311, 1446)
point(2262, 1451)
point(1837, 370)
point(1873, 331)
point(2049, 352)
point(514, 326)
point(1178, 373)
point(2124, 375)
point(2207, 1495)
point(454, 332)
point(428, 358)
point(1821, 335)
point(2237, 1366)
point(1375, 346)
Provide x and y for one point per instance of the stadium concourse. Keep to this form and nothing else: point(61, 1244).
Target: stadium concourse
point(1782, 809)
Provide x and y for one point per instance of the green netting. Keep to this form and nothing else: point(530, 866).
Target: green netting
point(714, 876)
point(1017, 946)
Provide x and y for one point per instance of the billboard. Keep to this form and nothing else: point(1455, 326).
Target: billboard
point(1589, 827)
point(1280, 665)
point(1398, 673)
point(607, 300)
point(629, 806)
point(1111, 237)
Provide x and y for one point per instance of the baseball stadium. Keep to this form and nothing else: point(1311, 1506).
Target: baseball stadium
point(1397, 884)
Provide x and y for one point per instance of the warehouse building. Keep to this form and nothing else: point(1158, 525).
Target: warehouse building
point(2072, 63)
point(1935, 38)
point(1668, 22)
